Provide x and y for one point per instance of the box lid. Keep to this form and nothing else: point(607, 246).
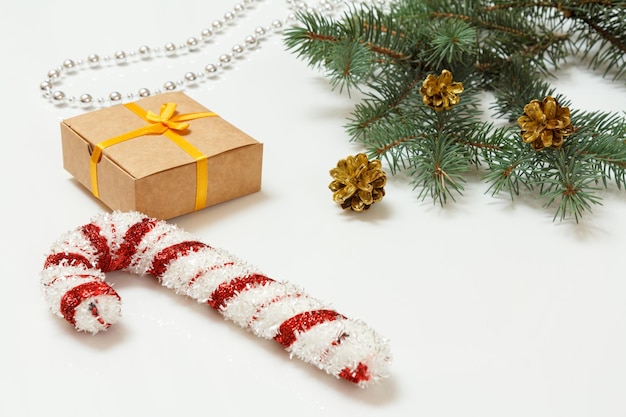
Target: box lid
point(150, 154)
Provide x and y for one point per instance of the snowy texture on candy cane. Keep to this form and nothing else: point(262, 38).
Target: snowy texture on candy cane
point(309, 329)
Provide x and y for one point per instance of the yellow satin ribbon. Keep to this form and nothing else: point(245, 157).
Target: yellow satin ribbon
point(166, 124)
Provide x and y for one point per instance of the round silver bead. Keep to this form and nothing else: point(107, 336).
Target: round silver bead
point(170, 48)
point(144, 51)
point(120, 57)
point(54, 74)
point(169, 86)
point(192, 43)
point(251, 42)
point(71, 99)
point(130, 96)
point(157, 91)
point(237, 50)
point(217, 25)
point(143, 92)
point(69, 65)
point(225, 59)
point(45, 86)
point(115, 96)
point(85, 100)
point(58, 97)
point(211, 69)
point(277, 25)
point(239, 8)
point(93, 60)
point(206, 34)
point(101, 101)
point(191, 78)
point(229, 17)
point(260, 31)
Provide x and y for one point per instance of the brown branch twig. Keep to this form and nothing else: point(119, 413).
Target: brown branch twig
point(605, 35)
point(394, 55)
point(364, 124)
point(395, 143)
point(526, 4)
point(384, 29)
point(482, 23)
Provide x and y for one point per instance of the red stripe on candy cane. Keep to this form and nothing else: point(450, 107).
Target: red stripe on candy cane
point(212, 268)
point(360, 374)
point(171, 253)
point(132, 238)
point(288, 331)
point(272, 301)
point(100, 244)
point(54, 280)
point(73, 297)
point(71, 259)
point(228, 290)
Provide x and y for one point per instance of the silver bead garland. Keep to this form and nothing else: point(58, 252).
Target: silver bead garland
point(171, 49)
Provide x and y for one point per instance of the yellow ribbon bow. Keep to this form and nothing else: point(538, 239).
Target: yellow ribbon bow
point(164, 123)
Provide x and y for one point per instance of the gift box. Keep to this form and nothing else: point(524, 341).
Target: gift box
point(164, 156)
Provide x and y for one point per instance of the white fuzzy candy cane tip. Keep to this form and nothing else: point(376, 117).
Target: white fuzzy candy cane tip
point(74, 287)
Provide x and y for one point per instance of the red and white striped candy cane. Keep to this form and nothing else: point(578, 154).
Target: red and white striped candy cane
point(75, 289)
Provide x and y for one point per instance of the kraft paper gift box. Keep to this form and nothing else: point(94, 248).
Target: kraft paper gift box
point(164, 156)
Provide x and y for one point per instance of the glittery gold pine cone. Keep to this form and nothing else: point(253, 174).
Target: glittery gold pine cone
point(545, 124)
point(441, 93)
point(358, 182)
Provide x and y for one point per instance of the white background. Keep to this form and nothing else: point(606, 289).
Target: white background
point(491, 308)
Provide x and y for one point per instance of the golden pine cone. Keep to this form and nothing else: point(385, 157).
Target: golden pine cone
point(441, 93)
point(545, 124)
point(358, 182)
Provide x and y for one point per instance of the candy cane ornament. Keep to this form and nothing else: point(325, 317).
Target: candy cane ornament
point(73, 282)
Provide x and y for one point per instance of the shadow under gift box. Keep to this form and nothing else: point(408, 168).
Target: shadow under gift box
point(153, 174)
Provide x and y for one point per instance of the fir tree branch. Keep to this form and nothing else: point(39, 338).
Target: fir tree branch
point(482, 24)
point(604, 34)
point(506, 47)
point(544, 44)
point(384, 29)
point(549, 5)
point(438, 170)
point(391, 105)
point(569, 181)
point(519, 5)
point(396, 142)
point(388, 52)
point(510, 164)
